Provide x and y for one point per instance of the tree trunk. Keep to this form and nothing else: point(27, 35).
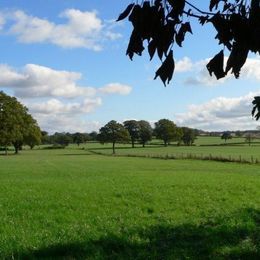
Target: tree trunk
point(114, 148)
point(143, 144)
point(16, 149)
point(165, 143)
point(6, 150)
point(133, 144)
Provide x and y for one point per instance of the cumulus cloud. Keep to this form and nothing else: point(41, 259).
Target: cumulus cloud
point(82, 29)
point(220, 114)
point(35, 81)
point(116, 88)
point(55, 106)
point(54, 97)
point(183, 65)
point(66, 123)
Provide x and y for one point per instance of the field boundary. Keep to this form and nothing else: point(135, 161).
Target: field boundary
point(185, 156)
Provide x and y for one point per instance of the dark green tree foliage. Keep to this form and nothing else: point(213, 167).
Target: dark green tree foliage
point(164, 23)
point(188, 136)
point(33, 136)
point(16, 125)
point(63, 139)
point(226, 135)
point(167, 131)
point(80, 138)
point(146, 131)
point(113, 132)
point(93, 136)
point(133, 129)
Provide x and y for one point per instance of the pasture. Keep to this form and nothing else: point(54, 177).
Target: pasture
point(71, 203)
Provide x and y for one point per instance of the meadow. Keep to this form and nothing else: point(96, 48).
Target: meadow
point(74, 204)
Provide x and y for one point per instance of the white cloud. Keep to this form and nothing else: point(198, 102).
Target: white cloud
point(81, 30)
point(35, 81)
point(116, 88)
point(55, 106)
point(39, 81)
point(220, 114)
point(66, 123)
point(54, 96)
point(183, 65)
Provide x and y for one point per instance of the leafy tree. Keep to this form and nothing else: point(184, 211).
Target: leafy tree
point(33, 136)
point(80, 138)
point(113, 132)
point(93, 135)
point(188, 136)
point(16, 123)
point(63, 139)
point(167, 131)
point(226, 135)
point(145, 133)
point(133, 129)
point(45, 138)
point(165, 23)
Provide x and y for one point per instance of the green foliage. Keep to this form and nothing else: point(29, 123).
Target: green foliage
point(146, 132)
point(63, 139)
point(188, 136)
point(16, 125)
point(133, 129)
point(80, 138)
point(226, 135)
point(68, 204)
point(167, 131)
point(113, 132)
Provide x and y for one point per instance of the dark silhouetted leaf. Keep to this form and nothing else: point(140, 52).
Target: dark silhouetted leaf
point(256, 108)
point(216, 65)
point(213, 4)
point(165, 72)
point(203, 19)
point(177, 7)
point(135, 45)
point(222, 26)
point(125, 13)
point(152, 48)
point(237, 58)
point(185, 27)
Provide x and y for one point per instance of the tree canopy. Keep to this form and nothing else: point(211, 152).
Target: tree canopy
point(113, 132)
point(164, 24)
point(17, 126)
point(167, 131)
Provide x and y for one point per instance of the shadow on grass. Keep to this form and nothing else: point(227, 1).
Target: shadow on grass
point(209, 240)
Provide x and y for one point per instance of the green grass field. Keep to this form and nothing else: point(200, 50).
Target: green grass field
point(71, 204)
point(204, 147)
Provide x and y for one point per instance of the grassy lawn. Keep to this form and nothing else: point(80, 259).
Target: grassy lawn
point(235, 152)
point(71, 204)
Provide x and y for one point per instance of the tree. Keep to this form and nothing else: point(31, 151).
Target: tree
point(163, 24)
point(93, 135)
point(113, 132)
point(145, 133)
point(226, 135)
point(167, 131)
point(249, 138)
point(80, 138)
point(16, 123)
point(133, 129)
point(188, 136)
point(33, 136)
point(63, 139)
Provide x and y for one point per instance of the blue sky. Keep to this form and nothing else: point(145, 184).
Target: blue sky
point(65, 60)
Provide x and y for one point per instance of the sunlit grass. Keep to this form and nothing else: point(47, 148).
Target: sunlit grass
point(70, 203)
